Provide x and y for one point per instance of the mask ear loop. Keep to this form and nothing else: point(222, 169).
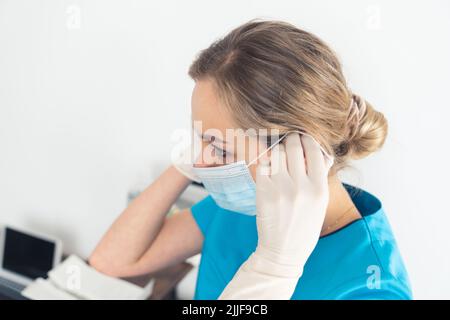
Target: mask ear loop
point(267, 150)
point(330, 159)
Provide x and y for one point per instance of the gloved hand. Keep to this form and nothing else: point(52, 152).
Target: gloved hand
point(291, 207)
point(183, 163)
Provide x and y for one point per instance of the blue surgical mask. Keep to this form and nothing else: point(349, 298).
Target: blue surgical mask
point(231, 185)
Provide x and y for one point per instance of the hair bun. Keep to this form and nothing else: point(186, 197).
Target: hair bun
point(367, 129)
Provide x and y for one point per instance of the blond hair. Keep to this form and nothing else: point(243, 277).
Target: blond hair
point(273, 75)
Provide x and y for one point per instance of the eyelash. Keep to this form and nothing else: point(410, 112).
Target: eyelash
point(222, 152)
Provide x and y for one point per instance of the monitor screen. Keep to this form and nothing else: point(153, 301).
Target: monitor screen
point(27, 255)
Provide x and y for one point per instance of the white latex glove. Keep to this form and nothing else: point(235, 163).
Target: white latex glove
point(183, 163)
point(291, 206)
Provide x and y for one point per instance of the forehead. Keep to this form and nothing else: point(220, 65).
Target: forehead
point(208, 109)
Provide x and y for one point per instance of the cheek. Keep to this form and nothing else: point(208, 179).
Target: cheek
point(252, 169)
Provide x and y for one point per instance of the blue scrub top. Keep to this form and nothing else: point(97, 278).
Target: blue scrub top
point(358, 261)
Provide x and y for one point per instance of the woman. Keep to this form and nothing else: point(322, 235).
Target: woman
point(298, 232)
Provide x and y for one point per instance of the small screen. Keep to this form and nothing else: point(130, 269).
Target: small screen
point(26, 255)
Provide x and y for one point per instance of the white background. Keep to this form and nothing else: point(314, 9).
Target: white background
point(91, 91)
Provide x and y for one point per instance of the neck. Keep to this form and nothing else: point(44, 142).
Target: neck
point(341, 210)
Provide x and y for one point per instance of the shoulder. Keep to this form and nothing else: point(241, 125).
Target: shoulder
point(375, 234)
point(374, 286)
point(204, 211)
point(368, 265)
point(374, 256)
point(206, 203)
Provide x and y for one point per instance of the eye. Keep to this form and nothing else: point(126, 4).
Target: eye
point(221, 152)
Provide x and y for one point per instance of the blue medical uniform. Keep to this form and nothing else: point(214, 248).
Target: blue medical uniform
point(358, 261)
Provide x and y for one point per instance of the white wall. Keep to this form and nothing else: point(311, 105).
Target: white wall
point(90, 92)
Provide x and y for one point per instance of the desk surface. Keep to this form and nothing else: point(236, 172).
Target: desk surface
point(166, 281)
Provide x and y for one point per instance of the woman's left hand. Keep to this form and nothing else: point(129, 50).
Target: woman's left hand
point(292, 197)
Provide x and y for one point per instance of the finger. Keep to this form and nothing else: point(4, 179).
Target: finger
point(329, 161)
point(295, 157)
point(315, 162)
point(262, 178)
point(264, 166)
point(278, 161)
